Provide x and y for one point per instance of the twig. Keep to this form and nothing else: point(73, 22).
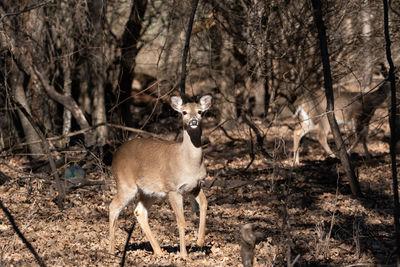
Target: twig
point(260, 138)
point(393, 10)
point(291, 264)
point(328, 236)
point(211, 183)
point(251, 153)
point(20, 235)
point(227, 135)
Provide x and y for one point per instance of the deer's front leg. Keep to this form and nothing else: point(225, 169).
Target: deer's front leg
point(201, 199)
point(176, 201)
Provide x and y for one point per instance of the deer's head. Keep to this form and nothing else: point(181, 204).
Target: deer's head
point(191, 115)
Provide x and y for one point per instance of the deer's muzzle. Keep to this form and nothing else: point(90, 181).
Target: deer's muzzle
point(193, 123)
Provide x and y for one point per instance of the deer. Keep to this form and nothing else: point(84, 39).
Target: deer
point(149, 169)
point(351, 109)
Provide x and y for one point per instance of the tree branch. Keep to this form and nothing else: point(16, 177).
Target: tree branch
point(393, 10)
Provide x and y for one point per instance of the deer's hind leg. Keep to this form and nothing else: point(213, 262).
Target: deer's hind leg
point(123, 197)
point(361, 133)
point(322, 137)
point(304, 128)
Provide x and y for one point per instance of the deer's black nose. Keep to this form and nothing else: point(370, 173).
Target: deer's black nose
point(193, 123)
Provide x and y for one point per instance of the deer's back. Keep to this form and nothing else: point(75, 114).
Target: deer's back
point(145, 162)
point(345, 104)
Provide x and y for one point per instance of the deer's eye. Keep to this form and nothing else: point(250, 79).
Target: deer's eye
point(199, 112)
point(184, 112)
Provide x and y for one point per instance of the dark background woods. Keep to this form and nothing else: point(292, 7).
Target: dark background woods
point(77, 64)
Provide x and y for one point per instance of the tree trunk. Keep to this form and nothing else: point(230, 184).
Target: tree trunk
point(67, 113)
point(393, 132)
point(366, 35)
point(222, 70)
point(344, 157)
point(35, 25)
point(67, 47)
point(129, 48)
point(259, 109)
point(257, 54)
point(97, 70)
point(17, 80)
point(228, 104)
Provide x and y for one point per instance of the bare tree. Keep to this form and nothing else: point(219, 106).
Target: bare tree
point(97, 68)
point(344, 158)
point(129, 49)
point(393, 130)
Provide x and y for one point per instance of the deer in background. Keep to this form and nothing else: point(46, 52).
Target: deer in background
point(351, 109)
point(149, 169)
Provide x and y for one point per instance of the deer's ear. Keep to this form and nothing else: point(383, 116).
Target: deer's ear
point(205, 102)
point(176, 103)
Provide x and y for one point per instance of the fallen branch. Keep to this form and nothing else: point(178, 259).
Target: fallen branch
point(76, 183)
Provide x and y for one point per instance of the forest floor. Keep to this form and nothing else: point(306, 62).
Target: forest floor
point(305, 212)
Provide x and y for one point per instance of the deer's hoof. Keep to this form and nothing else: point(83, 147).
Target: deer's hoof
point(200, 242)
point(183, 256)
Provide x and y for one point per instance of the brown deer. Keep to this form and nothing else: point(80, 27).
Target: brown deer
point(149, 169)
point(351, 109)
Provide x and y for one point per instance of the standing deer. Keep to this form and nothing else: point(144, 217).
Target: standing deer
point(351, 109)
point(149, 169)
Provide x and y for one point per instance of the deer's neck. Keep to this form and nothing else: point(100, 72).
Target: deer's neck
point(191, 144)
point(191, 168)
point(193, 135)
